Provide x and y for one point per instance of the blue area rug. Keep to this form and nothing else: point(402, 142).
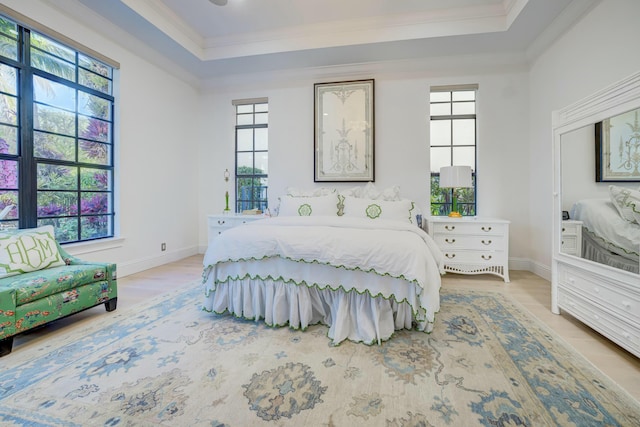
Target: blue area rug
point(166, 362)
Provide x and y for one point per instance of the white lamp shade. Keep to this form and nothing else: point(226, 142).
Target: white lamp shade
point(455, 176)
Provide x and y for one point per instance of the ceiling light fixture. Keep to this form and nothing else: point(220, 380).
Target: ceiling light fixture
point(219, 2)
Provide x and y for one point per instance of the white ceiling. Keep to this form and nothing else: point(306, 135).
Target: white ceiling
point(267, 35)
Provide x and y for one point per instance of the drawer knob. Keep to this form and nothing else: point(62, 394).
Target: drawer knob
point(450, 255)
point(221, 221)
point(487, 229)
point(563, 229)
point(450, 227)
point(486, 257)
point(450, 240)
point(486, 242)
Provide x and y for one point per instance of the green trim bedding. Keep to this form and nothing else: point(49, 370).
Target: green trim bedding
point(363, 278)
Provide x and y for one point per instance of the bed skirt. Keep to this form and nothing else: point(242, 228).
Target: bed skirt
point(349, 315)
point(593, 251)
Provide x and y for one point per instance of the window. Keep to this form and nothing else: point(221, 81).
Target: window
point(56, 136)
point(453, 143)
point(252, 154)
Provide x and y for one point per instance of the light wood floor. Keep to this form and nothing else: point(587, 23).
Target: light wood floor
point(529, 290)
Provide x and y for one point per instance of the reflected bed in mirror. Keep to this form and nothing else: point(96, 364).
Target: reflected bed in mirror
point(610, 233)
point(595, 268)
point(607, 238)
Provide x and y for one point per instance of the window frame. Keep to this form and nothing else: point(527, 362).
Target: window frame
point(27, 159)
point(261, 201)
point(465, 206)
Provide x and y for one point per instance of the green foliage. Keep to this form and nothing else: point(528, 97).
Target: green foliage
point(250, 188)
point(441, 199)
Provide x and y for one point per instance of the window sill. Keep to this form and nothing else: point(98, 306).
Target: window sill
point(81, 248)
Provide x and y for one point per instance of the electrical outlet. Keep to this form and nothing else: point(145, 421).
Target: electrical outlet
point(163, 247)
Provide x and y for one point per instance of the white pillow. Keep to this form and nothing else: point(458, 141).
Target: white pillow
point(627, 202)
point(297, 192)
point(369, 191)
point(29, 249)
point(308, 206)
point(397, 210)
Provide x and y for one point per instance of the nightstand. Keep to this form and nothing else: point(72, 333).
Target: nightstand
point(571, 237)
point(472, 245)
point(216, 224)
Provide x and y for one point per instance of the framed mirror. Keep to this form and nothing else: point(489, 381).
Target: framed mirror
point(595, 272)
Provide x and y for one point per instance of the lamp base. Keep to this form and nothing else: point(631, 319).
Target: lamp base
point(455, 215)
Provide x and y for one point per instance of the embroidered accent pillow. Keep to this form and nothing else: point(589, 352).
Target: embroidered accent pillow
point(27, 250)
point(400, 210)
point(627, 202)
point(309, 206)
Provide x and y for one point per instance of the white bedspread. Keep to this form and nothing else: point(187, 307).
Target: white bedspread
point(393, 260)
point(612, 232)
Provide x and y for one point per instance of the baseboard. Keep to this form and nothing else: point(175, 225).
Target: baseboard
point(136, 266)
point(531, 266)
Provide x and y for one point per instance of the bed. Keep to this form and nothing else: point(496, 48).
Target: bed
point(364, 276)
point(607, 237)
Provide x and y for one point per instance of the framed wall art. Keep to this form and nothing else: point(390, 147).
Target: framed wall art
point(344, 131)
point(618, 148)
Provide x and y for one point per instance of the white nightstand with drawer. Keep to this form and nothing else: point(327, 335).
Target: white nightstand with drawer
point(216, 224)
point(571, 237)
point(472, 245)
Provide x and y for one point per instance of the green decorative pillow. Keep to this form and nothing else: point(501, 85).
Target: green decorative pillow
point(400, 210)
point(27, 250)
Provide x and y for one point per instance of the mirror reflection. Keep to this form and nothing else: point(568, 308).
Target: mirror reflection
point(601, 211)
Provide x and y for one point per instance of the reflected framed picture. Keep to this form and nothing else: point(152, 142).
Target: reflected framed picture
point(618, 148)
point(344, 131)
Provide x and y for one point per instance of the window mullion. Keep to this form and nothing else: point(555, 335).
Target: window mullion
point(28, 197)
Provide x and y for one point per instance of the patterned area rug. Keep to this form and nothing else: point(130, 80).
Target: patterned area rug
point(168, 363)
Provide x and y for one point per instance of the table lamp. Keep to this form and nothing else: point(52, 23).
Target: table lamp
point(455, 177)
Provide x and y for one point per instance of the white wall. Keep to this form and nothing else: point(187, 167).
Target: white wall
point(157, 139)
point(401, 139)
point(599, 50)
point(174, 142)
